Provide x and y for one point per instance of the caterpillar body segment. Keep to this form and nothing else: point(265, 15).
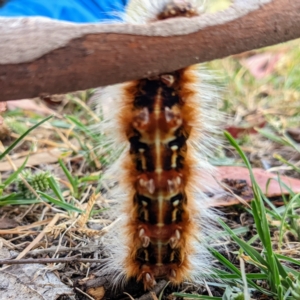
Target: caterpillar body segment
point(164, 125)
point(157, 133)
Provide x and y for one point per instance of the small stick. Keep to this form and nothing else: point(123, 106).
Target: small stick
point(129, 295)
point(21, 229)
point(48, 260)
point(40, 236)
point(85, 294)
point(84, 249)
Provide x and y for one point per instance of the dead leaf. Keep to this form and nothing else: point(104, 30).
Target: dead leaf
point(6, 223)
point(294, 134)
point(25, 228)
point(239, 187)
point(251, 121)
point(29, 281)
point(96, 292)
point(236, 131)
point(262, 64)
point(222, 198)
point(52, 100)
point(45, 157)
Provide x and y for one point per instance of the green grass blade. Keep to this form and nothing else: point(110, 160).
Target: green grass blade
point(82, 127)
point(2, 155)
point(191, 296)
point(261, 222)
point(284, 217)
point(225, 261)
point(162, 292)
point(280, 158)
point(73, 181)
point(55, 188)
point(66, 206)
point(271, 136)
point(257, 217)
point(256, 257)
point(234, 269)
point(66, 171)
point(286, 141)
point(283, 273)
point(289, 259)
point(274, 211)
point(255, 276)
point(5, 197)
point(19, 202)
point(98, 211)
point(14, 175)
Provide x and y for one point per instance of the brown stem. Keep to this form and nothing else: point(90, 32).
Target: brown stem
point(48, 260)
point(85, 249)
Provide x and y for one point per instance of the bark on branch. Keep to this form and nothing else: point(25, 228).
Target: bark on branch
point(39, 55)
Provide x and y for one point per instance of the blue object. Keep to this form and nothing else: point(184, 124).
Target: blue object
point(80, 11)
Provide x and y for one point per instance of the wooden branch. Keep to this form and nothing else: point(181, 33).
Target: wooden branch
point(39, 55)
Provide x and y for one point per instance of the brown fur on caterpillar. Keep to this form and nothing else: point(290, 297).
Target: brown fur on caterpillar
point(164, 125)
point(157, 129)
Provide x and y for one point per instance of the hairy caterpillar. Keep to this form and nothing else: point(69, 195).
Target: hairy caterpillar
point(165, 126)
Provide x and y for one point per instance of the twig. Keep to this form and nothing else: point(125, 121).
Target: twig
point(85, 294)
point(72, 259)
point(40, 236)
point(107, 228)
point(229, 190)
point(131, 298)
point(84, 249)
point(21, 229)
point(61, 237)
